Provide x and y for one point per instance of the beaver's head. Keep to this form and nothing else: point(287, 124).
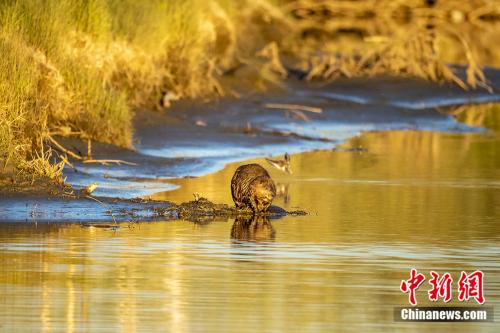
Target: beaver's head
point(262, 193)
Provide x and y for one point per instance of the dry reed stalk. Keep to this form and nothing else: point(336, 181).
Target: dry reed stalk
point(394, 37)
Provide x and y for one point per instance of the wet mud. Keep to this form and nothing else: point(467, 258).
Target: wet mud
point(195, 138)
point(87, 209)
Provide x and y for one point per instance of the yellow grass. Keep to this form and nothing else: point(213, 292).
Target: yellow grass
point(76, 67)
point(366, 37)
point(79, 67)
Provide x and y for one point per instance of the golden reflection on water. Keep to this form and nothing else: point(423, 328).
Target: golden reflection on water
point(412, 199)
point(46, 304)
point(255, 228)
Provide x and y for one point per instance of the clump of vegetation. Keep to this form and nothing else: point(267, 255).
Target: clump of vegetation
point(415, 56)
point(43, 89)
point(79, 67)
point(413, 38)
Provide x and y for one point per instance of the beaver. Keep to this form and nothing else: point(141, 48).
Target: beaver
point(251, 186)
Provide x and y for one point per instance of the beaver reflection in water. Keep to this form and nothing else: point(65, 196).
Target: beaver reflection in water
point(255, 228)
point(252, 187)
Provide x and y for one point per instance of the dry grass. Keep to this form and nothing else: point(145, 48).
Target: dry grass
point(77, 67)
point(366, 37)
point(415, 56)
point(42, 165)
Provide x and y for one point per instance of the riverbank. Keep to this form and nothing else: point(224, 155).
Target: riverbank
point(191, 140)
point(79, 69)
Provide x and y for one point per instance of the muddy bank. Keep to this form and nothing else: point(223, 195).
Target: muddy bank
point(195, 138)
point(64, 208)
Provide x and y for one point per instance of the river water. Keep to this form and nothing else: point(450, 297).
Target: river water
point(379, 205)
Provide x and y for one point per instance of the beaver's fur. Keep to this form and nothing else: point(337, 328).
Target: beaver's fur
point(252, 187)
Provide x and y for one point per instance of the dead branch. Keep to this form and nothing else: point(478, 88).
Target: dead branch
point(89, 152)
point(107, 162)
point(68, 163)
point(64, 150)
point(89, 149)
point(293, 107)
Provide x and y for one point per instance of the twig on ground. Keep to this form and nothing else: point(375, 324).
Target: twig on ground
point(89, 149)
point(107, 162)
point(294, 107)
point(68, 163)
point(89, 153)
point(64, 150)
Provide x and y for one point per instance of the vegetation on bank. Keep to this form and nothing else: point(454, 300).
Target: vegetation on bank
point(79, 67)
